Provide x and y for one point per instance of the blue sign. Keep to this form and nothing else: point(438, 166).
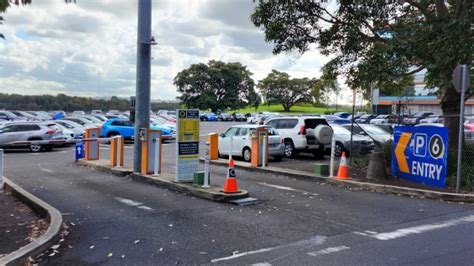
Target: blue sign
point(79, 150)
point(420, 154)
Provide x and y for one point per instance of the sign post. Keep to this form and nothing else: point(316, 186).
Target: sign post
point(461, 83)
point(1, 169)
point(207, 173)
point(420, 154)
point(187, 148)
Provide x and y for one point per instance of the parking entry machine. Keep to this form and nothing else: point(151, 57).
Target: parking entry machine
point(259, 139)
point(116, 151)
point(213, 140)
point(151, 151)
point(92, 146)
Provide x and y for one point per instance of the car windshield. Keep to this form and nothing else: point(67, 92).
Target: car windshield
point(340, 130)
point(374, 130)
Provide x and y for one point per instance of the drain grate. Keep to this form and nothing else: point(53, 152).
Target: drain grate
point(245, 201)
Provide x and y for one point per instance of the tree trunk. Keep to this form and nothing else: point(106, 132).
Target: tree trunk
point(450, 104)
point(286, 108)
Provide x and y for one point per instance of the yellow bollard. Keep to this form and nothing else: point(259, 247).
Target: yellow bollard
point(213, 140)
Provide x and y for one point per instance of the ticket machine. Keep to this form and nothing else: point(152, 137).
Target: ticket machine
point(151, 151)
point(92, 151)
point(259, 139)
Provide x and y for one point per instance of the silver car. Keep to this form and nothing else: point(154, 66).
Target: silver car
point(11, 133)
point(360, 144)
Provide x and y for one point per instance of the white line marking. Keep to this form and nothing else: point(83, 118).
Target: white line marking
point(46, 170)
point(129, 202)
point(61, 152)
point(317, 240)
point(328, 251)
point(422, 228)
point(287, 188)
point(143, 207)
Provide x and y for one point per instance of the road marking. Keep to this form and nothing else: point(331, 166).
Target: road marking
point(328, 251)
point(46, 170)
point(317, 240)
point(422, 228)
point(61, 152)
point(133, 203)
point(288, 188)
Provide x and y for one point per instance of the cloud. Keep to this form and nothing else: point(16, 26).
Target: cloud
point(89, 48)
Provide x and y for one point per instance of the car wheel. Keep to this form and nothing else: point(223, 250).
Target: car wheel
point(278, 158)
point(247, 154)
point(36, 147)
point(289, 149)
point(339, 149)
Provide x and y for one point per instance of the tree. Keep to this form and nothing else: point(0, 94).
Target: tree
point(278, 88)
point(216, 86)
point(379, 43)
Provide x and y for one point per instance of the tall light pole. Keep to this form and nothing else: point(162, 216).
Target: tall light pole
point(142, 107)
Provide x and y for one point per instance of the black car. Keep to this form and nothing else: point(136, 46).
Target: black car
point(239, 117)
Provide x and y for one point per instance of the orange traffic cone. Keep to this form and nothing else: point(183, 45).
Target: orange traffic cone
point(230, 185)
point(342, 173)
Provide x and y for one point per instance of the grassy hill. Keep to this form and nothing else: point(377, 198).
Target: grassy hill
point(297, 109)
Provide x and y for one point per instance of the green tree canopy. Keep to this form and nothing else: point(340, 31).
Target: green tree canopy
point(378, 42)
point(216, 86)
point(278, 88)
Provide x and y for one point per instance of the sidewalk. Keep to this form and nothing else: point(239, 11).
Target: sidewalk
point(19, 224)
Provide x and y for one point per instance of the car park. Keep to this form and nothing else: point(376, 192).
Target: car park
point(377, 134)
point(14, 132)
point(208, 117)
point(126, 129)
point(416, 117)
point(308, 134)
point(241, 142)
point(9, 116)
point(360, 144)
point(224, 117)
point(365, 119)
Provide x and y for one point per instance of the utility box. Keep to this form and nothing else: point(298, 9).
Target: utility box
point(259, 139)
point(321, 169)
point(198, 178)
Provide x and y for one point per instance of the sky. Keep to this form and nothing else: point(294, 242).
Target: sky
point(89, 48)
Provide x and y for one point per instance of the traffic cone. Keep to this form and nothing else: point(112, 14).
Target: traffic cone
point(230, 185)
point(342, 172)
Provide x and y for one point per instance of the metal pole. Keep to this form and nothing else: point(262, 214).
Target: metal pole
point(119, 151)
point(207, 174)
point(333, 154)
point(157, 156)
point(142, 108)
point(264, 152)
point(230, 152)
point(461, 131)
point(352, 124)
point(1, 169)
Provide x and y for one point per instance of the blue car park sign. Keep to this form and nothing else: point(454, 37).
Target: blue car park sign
point(419, 154)
point(79, 150)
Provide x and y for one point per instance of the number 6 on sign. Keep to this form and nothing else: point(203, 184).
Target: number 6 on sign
point(436, 147)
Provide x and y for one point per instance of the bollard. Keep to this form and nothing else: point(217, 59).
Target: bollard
point(213, 140)
point(157, 161)
point(119, 151)
point(207, 174)
point(333, 154)
point(264, 152)
point(1, 169)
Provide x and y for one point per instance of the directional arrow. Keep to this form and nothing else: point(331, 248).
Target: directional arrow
point(400, 152)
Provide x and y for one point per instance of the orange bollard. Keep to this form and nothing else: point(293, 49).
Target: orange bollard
point(342, 172)
point(230, 185)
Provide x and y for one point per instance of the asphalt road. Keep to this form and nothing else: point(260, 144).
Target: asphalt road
point(118, 221)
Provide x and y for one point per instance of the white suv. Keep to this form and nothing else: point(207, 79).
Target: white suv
point(305, 133)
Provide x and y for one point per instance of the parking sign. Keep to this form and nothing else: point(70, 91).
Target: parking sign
point(420, 154)
point(79, 150)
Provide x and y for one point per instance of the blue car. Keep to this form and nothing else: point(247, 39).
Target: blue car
point(209, 117)
point(126, 129)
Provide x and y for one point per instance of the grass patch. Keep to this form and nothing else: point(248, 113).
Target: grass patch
point(297, 109)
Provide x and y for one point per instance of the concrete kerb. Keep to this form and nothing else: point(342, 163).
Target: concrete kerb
point(447, 196)
point(166, 180)
point(43, 243)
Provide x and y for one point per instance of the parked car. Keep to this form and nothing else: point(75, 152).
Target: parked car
point(77, 129)
point(224, 117)
point(309, 134)
point(126, 129)
point(27, 131)
point(344, 115)
point(377, 134)
point(113, 112)
point(251, 118)
point(208, 117)
point(241, 142)
point(360, 144)
point(9, 116)
point(381, 119)
point(416, 117)
point(42, 115)
point(27, 116)
point(97, 112)
point(78, 113)
point(365, 119)
point(239, 117)
point(432, 119)
point(81, 121)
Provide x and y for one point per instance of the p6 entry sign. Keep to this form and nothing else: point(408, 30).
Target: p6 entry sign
point(419, 154)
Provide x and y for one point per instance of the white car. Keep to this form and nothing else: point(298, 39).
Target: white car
point(78, 113)
point(241, 142)
point(303, 133)
point(380, 119)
